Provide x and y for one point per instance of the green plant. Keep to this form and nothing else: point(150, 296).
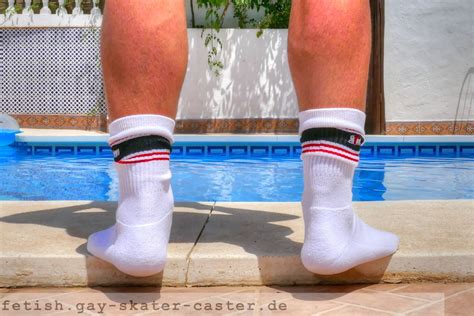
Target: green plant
point(30, 10)
point(53, 5)
point(9, 13)
point(276, 14)
point(36, 5)
point(214, 20)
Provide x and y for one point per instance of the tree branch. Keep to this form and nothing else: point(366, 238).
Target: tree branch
point(224, 12)
point(193, 21)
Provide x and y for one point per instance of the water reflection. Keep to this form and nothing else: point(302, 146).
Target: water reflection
point(369, 181)
point(46, 177)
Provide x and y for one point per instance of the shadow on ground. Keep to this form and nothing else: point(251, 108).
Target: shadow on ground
point(258, 233)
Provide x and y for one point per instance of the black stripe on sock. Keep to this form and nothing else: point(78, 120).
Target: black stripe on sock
point(139, 144)
point(349, 139)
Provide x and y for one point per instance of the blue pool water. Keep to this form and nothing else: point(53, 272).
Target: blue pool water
point(7, 136)
point(69, 177)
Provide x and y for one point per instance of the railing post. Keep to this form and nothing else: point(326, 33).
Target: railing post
point(45, 9)
point(95, 10)
point(10, 10)
point(77, 9)
point(95, 13)
point(27, 9)
point(61, 10)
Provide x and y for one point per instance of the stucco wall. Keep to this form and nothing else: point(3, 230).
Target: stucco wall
point(255, 81)
point(429, 68)
point(429, 65)
point(429, 59)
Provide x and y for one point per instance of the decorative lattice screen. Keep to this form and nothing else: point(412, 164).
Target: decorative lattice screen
point(50, 71)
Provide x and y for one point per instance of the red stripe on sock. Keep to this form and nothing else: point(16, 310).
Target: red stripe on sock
point(329, 152)
point(351, 130)
point(330, 146)
point(150, 154)
point(124, 162)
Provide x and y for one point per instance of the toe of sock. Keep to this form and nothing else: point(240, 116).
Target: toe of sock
point(366, 244)
point(383, 243)
point(390, 242)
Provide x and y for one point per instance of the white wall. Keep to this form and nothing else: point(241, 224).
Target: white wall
point(255, 81)
point(429, 66)
point(429, 52)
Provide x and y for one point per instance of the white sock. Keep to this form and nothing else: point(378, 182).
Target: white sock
point(336, 239)
point(137, 243)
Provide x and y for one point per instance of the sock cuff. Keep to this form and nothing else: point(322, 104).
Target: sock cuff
point(332, 133)
point(133, 126)
point(347, 119)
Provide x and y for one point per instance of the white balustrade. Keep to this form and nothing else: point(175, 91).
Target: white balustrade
point(27, 9)
point(61, 11)
point(45, 9)
point(10, 10)
point(46, 18)
point(11, 6)
point(77, 9)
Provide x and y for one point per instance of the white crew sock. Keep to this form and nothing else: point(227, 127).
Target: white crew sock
point(336, 239)
point(137, 243)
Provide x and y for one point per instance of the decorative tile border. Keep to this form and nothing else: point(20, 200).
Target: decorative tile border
point(82, 122)
point(430, 128)
point(258, 125)
point(263, 125)
point(85, 122)
point(260, 149)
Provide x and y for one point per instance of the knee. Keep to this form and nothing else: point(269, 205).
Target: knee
point(330, 28)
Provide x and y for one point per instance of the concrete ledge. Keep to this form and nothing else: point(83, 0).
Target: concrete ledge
point(43, 244)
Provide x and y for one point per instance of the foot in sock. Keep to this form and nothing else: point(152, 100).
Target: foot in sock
point(137, 243)
point(336, 239)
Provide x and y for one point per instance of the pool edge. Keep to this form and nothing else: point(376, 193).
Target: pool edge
point(265, 243)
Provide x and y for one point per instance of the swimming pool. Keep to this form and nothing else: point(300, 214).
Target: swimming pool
point(237, 172)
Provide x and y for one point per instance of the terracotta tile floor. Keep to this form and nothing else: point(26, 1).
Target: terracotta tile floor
point(377, 299)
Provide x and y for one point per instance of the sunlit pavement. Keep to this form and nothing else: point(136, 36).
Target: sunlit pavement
point(43, 243)
point(377, 299)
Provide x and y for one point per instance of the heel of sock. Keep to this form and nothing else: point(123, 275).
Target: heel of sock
point(338, 240)
point(328, 232)
point(141, 250)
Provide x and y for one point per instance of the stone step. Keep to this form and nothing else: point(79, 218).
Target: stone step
point(44, 244)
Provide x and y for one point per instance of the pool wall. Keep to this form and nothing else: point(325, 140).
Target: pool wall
point(255, 146)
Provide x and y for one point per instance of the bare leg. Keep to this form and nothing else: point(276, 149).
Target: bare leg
point(144, 51)
point(329, 51)
point(144, 57)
